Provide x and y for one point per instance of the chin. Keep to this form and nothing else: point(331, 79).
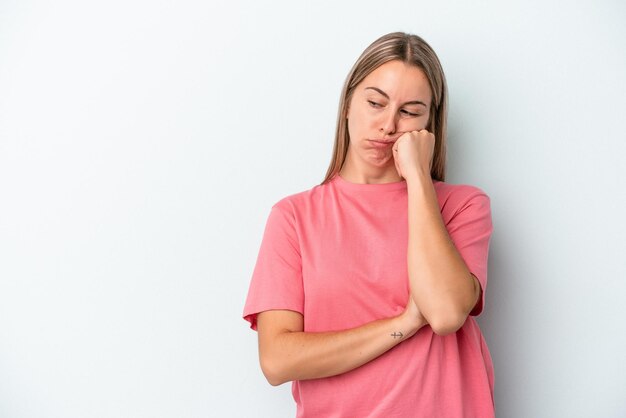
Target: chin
point(380, 162)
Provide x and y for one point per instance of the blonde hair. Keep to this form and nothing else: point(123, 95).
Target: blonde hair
point(412, 50)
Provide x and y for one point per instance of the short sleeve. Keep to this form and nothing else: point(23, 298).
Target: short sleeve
point(276, 281)
point(470, 229)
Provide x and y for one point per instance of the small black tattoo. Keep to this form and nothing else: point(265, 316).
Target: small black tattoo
point(397, 334)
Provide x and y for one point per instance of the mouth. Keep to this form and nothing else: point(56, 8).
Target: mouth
point(380, 143)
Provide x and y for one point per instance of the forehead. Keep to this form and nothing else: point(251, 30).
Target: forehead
point(400, 81)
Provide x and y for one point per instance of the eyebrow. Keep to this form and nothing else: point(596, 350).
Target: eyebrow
point(417, 102)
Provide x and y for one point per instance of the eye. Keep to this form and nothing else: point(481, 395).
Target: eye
point(406, 112)
point(374, 104)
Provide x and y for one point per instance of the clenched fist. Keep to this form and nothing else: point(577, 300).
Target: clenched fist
point(413, 153)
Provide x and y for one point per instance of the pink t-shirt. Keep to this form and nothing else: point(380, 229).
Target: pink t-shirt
point(337, 254)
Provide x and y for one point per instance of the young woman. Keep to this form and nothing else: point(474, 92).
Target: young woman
point(366, 286)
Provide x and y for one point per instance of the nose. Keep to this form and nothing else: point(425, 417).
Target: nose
point(388, 123)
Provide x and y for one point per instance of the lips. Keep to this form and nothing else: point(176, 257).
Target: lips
point(376, 143)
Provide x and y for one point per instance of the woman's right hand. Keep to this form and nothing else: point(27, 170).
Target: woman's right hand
point(287, 352)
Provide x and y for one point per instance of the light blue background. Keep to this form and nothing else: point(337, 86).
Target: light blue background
point(143, 143)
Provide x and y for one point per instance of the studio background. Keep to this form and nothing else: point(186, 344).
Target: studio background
point(142, 145)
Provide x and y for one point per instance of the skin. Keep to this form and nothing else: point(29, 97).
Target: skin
point(391, 104)
point(383, 107)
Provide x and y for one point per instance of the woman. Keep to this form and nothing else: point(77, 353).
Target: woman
point(366, 285)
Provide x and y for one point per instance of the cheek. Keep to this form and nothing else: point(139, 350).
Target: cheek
point(415, 124)
point(355, 124)
point(351, 131)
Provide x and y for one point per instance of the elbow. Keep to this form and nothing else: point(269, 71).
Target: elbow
point(448, 318)
point(272, 372)
point(274, 380)
point(447, 324)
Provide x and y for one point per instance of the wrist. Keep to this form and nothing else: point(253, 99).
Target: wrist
point(418, 176)
point(408, 323)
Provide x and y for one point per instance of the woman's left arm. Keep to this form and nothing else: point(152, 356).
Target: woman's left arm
point(442, 286)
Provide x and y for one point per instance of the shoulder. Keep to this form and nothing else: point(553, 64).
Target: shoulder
point(458, 193)
point(457, 198)
point(297, 202)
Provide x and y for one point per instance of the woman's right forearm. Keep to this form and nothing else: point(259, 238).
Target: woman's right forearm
point(296, 355)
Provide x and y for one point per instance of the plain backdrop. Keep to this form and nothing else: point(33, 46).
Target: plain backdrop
point(143, 143)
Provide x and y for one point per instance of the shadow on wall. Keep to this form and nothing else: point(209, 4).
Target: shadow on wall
point(507, 334)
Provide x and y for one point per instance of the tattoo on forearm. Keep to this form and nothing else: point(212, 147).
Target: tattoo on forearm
point(397, 334)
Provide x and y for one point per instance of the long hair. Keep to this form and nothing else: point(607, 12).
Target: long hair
point(412, 50)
